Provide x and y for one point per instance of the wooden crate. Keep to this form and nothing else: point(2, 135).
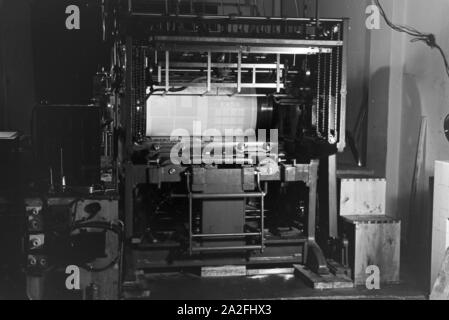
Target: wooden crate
point(373, 240)
point(362, 196)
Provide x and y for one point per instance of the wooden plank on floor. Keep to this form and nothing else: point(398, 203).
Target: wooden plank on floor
point(185, 286)
point(223, 271)
point(260, 272)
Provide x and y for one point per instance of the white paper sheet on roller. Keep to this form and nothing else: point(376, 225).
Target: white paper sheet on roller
point(171, 112)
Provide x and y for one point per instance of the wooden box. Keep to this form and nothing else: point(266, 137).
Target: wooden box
point(373, 240)
point(362, 196)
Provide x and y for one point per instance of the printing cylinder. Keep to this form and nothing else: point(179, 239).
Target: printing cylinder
point(196, 114)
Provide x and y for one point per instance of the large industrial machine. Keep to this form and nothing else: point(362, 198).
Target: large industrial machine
point(216, 135)
point(215, 128)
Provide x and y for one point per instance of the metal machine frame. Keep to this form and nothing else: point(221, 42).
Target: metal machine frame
point(174, 40)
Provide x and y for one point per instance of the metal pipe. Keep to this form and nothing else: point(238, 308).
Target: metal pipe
point(209, 70)
point(262, 223)
point(63, 182)
point(226, 18)
point(223, 85)
point(167, 13)
point(225, 65)
point(343, 92)
point(200, 249)
point(219, 195)
point(190, 212)
point(330, 110)
point(239, 72)
point(190, 222)
point(221, 94)
point(278, 73)
point(254, 75)
point(167, 70)
point(226, 235)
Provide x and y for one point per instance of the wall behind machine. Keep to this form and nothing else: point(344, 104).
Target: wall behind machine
point(412, 84)
point(40, 60)
point(66, 60)
point(16, 66)
point(425, 93)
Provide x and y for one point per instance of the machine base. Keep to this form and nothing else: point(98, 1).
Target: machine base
point(323, 281)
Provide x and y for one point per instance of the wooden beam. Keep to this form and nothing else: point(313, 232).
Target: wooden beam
point(333, 214)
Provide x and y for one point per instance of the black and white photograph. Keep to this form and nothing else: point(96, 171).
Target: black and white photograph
point(224, 156)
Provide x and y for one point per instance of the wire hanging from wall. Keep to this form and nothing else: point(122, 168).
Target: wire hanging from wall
point(428, 38)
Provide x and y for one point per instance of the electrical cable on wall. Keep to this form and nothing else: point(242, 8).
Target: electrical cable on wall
point(427, 38)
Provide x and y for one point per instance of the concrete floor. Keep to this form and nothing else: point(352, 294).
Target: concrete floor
point(184, 286)
point(187, 286)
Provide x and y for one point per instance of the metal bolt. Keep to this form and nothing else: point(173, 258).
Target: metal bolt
point(43, 262)
point(32, 260)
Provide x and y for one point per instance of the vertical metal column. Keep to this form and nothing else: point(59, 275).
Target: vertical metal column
point(239, 71)
point(190, 196)
point(209, 70)
point(262, 217)
point(254, 75)
point(128, 98)
point(343, 92)
point(190, 222)
point(278, 73)
point(332, 190)
point(330, 110)
point(315, 259)
point(127, 106)
point(312, 185)
point(318, 104)
point(167, 70)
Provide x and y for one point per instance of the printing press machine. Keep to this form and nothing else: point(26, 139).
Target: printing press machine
point(218, 134)
point(253, 199)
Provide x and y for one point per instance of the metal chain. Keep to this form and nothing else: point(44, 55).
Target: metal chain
point(134, 86)
point(138, 96)
point(324, 100)
point(317, 124)
point(329, 124)
point(337, 94)
point(142, 92)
